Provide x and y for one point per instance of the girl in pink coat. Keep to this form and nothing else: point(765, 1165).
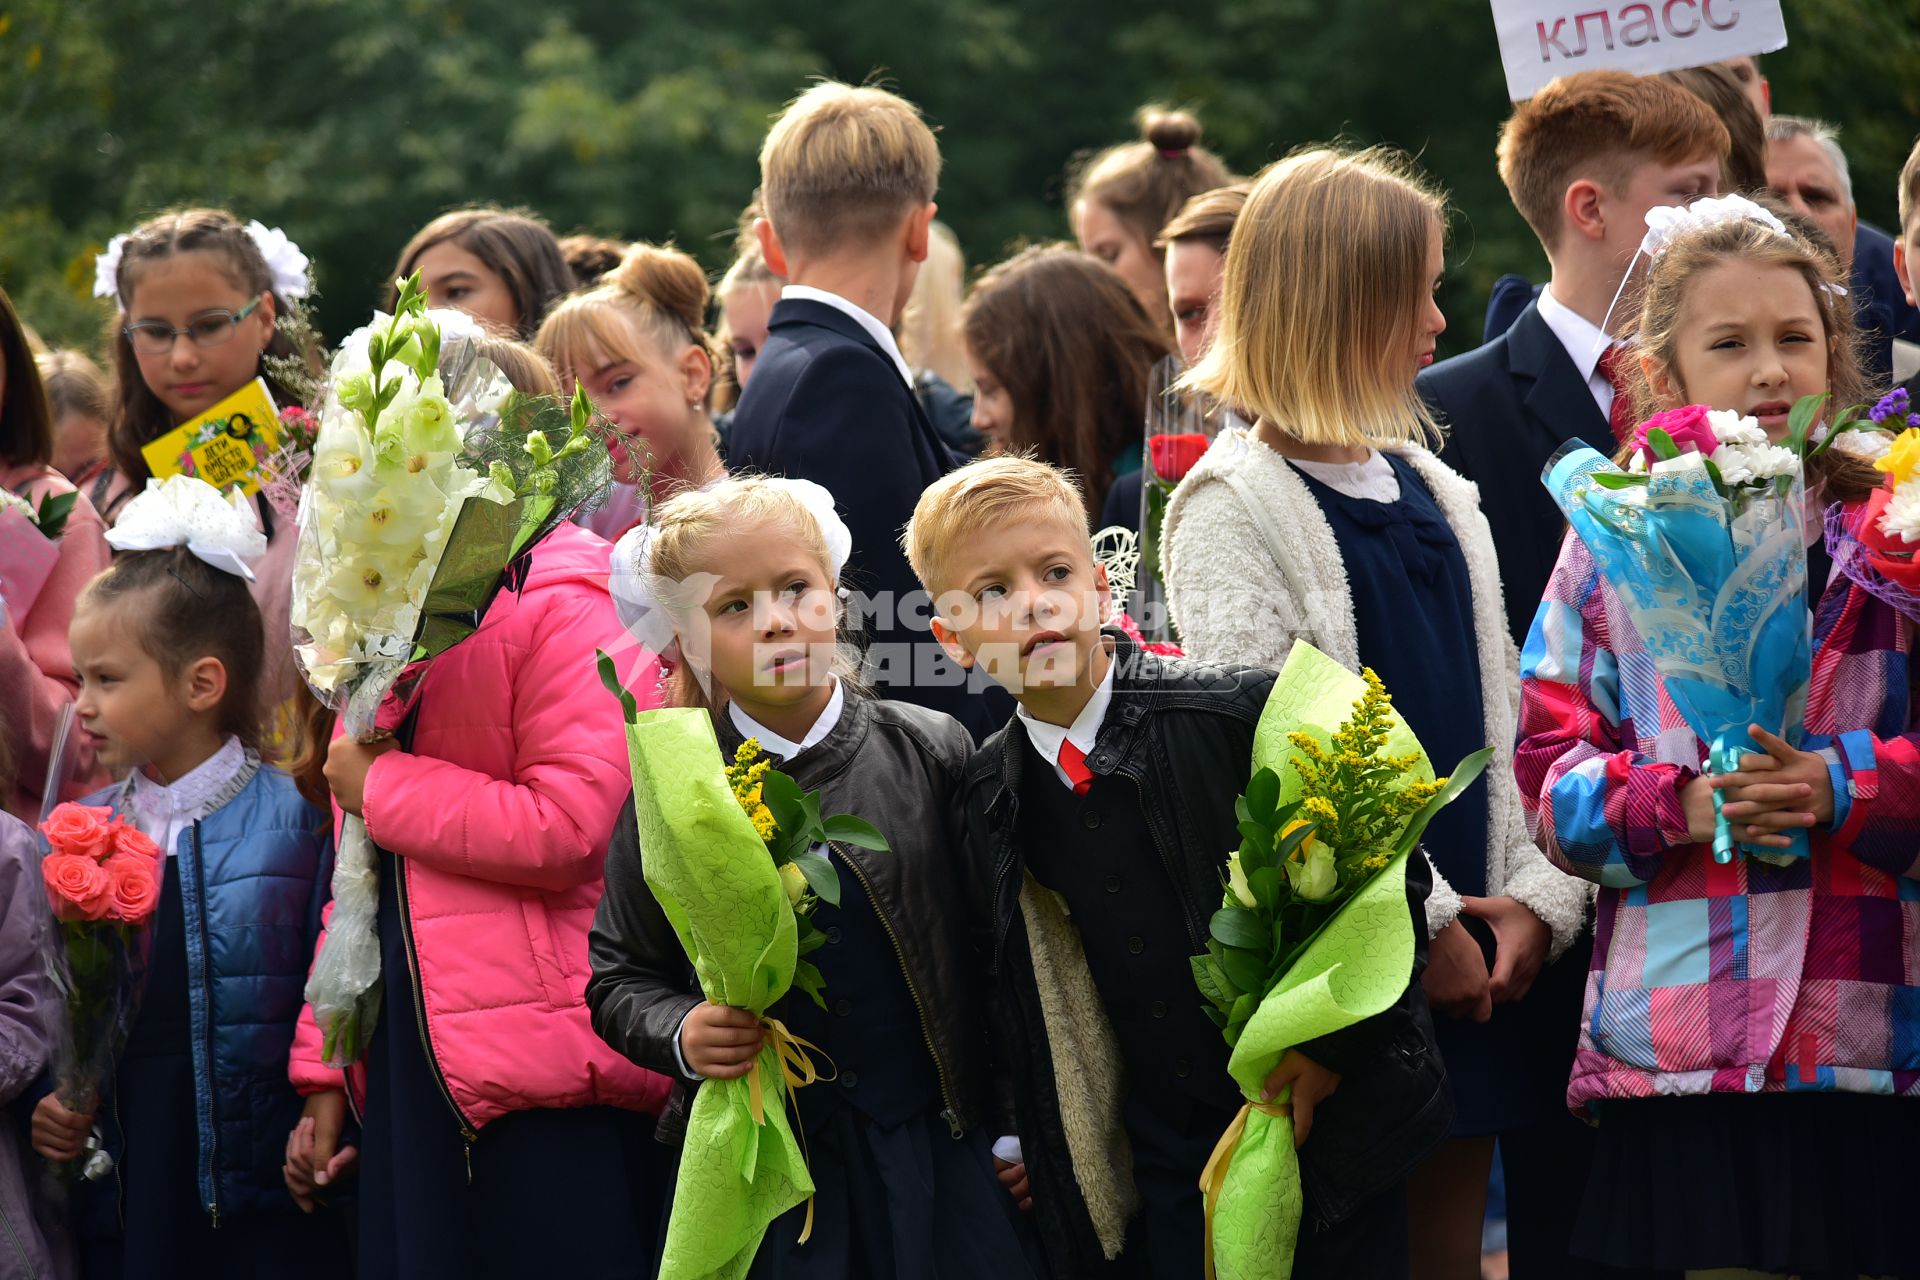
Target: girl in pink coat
point(487, 1104)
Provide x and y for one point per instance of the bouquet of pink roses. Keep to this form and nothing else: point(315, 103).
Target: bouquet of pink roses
point(103, 882)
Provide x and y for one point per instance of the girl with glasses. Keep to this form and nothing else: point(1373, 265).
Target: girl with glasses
point(198, 302)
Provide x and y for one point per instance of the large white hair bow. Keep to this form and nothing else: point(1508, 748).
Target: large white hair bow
point(287, 265)
point(1667, 221)
point(182, 511)
point(645, 601)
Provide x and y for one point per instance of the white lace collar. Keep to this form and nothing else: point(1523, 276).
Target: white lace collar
point(202, 790)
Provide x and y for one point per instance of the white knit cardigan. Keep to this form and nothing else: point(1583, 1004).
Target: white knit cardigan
point(1234, 601)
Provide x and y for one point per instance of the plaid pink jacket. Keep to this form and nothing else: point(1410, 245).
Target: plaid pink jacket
point(1744, 977)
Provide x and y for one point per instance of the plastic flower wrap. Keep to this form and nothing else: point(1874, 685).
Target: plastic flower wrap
point(1180, 428)
point(1313, 933)
point(430, 478)
point(103, 880)
point(1708, 554)
point(1875, 545)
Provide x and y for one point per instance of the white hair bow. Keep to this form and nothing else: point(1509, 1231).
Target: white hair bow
point(285, 263)
point(183, 511)
point(1667, 221)
point(645, 601)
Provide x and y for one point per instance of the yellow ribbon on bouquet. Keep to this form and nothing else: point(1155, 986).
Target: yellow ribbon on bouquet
point(798, 1070)
point(1213, 1178)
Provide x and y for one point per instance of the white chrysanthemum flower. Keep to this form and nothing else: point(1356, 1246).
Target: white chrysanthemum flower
point(1730, 427)
point(1902, 517)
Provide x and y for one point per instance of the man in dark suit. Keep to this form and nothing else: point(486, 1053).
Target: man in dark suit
point(848, 177)
point(1583, 161)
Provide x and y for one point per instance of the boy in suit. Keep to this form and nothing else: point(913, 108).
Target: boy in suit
point(1097, 827)
point(847, 183)
point(1583, 162)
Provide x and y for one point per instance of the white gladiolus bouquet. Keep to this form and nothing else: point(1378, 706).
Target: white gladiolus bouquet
point(431, 476)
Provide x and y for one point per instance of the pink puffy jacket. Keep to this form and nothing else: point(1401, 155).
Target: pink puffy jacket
point(502, 811)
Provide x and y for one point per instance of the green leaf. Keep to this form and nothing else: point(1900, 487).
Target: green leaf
point(782, 796)
point(1211, 981)
point(1257, 835)
point(807, 978)
point(1243, 1007)
point(610, 677)
point(1216, 1016)
point(1245, 970)
point(1800, 421)
point(1459, 780)
point(1265, 884)
point(1662, 445)
point(1294, 839)
point(855, 831)
point(51, 518)
point(820, 874)
point(1616, 479)
point(1238, 927)
point(1263, 793)
point(1713, 474)
point(811, 939)
point(1242, 811)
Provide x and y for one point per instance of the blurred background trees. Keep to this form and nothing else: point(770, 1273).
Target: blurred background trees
point(349, 123)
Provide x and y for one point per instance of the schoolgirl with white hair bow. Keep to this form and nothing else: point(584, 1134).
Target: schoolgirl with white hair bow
point(738, 585)
point(168, 644)
point(201, 295)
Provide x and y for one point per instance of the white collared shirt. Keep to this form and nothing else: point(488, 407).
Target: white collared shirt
point(775, 745)
point(863, 317)
point(163, 811)
point(1584, 341)
point(1082, 733)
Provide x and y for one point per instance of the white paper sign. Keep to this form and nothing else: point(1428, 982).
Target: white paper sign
point(1543, 39)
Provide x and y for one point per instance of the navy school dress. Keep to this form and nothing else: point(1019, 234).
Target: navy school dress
point(1413, 611)
point(896, 1193)
point(571, 1193)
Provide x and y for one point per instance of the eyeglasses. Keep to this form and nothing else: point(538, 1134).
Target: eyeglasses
point(208, 329)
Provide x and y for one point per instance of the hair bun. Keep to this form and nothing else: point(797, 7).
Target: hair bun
point(665, 278)
point(1171, 133)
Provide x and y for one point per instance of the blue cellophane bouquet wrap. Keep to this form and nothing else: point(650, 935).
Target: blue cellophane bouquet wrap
point(1709, 558)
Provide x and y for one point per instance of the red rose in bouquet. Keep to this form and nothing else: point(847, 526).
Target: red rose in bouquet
point(103, 882)
point(1175, 455)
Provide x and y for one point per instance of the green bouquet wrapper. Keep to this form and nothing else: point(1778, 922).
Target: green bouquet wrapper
point(717, 884)
point(1354, 968)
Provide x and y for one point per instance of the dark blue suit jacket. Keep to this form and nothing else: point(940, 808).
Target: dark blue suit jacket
point(1508, 407)
point(826, 404)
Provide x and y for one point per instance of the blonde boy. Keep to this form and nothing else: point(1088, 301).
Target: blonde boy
point(1097, 825)
point(847, 180)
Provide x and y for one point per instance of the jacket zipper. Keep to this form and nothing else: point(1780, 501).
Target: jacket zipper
point(468, 1133)
point(213, 1094)
point(952, 1114)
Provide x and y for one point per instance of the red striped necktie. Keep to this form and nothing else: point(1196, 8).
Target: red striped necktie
point(1073, 763)
point(1614, 367)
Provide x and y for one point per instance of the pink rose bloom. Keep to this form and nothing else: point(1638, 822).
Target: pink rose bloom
point(80, 829)
point(1687, 425)
point(79, 887)
point(135, 886)
point(130, 842)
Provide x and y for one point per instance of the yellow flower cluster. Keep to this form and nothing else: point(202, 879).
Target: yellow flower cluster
point(746, 775)
point(1358, 798)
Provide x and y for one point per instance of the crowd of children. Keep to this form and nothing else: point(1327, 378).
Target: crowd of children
point(886, 484)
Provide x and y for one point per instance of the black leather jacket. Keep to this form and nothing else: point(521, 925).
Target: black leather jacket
point(1183, 732)
point(896, 765)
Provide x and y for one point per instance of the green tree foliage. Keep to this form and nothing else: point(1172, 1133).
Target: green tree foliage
point(351, 122)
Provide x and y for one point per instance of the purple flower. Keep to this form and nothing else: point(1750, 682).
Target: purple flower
point(1892, 405)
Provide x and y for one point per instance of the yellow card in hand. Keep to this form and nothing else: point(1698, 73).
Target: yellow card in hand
point(223, 446)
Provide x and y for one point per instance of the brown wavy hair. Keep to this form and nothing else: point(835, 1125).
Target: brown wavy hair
point(1075, 350)
point(26, 423)
point(138, 417)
